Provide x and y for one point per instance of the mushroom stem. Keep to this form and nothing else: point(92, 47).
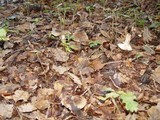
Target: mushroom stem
point(128, 39)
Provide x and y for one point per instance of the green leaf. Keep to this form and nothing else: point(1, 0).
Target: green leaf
point(3, 34)
point(108, 95)
point(94, 43)
point(128, 99)
point(155, 25)
point(111, 94)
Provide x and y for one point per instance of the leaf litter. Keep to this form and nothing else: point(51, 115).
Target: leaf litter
point(57, 58)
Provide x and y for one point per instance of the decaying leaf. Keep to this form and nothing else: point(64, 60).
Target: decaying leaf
point(20, 95)
point(153, 112)
point(156, 75)
point(147, 36)
point(39, 116)
point(74, 102)
point(42, 104)
point(23, 27)
point(33, 84)
point(55, 32)
point(6, 110)
point(60, 69)
point(45, 93)
point(97, 65)
point(58, 87)
point(148, 49)
point(27, 107)
point(60, 55)
point(8, 88)
point(81, 36)
point(120, 79)
point(158, 48)
point(74, 78)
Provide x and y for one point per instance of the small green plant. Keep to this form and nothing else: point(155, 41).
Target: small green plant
point(154, 25)
point(36, 20)
point(66, 43)
point(89, 9)
point(141, 22)
point(128, 98)
point(3, 34)
point(93, 44)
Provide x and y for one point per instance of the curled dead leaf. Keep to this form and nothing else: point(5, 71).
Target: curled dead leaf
point(42, 104)
point(60, 69)
point(21, 95)
point(81, 36)
point(60, 55)
point(74, 78)
point(147, 36)
point(58, 87)
point(6, 110)
point(74, 102)
point(156, 75)
point(27, 107)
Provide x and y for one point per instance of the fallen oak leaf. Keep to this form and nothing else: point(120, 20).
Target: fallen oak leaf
point(6, 110)
point(74, 102)
point(97, 65)
point(42, 104)
point(74, 78)
point(60, 69)
point(147, 36)
point(27, 107)
point(60, 55)
point(58, 87)
point(21, 95)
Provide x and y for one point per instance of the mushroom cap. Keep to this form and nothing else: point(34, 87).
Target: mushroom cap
point(124, 46)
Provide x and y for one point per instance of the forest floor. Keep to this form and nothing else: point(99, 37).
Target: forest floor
point(68, 60)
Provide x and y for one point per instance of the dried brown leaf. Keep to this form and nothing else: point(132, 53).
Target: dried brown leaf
point(21, 95)
point(60, 55)
point(74, 102)
point(75, 78)
point(8, 88)
point(6, 110)
point(27, 107)
point(97, 65)
point(81, 36)
point(42, 104)
point(147, 36)
point(60, 69)
point(156, 75)
point(58, 87)
point(23, 27)
point(153, 112)
point(120, 79)
point(45, 93)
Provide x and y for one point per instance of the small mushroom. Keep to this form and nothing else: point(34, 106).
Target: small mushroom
point(126, 44)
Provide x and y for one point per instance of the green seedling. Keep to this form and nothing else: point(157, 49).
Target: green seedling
point(3, 34)
point(128, 98)
point(89, 9)
point(155, 24)
point(141, 22)
point(36, 20)
point(66, 43)
point(93, 44)
point(138, 55)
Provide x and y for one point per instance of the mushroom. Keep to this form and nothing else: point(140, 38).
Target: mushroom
point(126, 44)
